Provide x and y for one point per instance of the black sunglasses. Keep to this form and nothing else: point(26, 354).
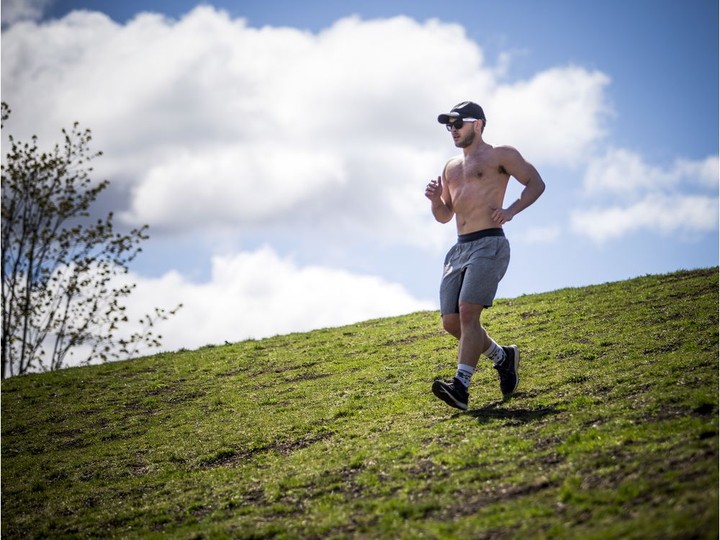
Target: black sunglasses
point(457, 124)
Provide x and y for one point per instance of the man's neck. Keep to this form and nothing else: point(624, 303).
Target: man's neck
point(476, 145)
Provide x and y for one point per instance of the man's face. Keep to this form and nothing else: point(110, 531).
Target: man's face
point(464, 135)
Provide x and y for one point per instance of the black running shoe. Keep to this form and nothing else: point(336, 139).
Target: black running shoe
point(508, 370)
point(453, 393)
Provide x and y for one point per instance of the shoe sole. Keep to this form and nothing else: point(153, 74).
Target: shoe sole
point(439, 390)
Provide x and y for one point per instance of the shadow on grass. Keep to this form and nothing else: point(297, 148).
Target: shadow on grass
point(496, 411)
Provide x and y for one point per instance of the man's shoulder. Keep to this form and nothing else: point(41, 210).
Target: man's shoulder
point(454, 162)
point(505, 155)
point(488, 153)
point(504, 149)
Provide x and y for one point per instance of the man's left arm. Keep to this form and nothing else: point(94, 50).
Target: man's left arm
point(525, 173)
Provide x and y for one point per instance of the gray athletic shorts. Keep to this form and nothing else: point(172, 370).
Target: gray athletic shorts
point(473, 269)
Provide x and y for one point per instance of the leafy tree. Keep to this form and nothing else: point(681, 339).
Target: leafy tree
point(60, 265)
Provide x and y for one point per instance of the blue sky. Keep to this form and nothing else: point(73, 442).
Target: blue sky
point(279, 150)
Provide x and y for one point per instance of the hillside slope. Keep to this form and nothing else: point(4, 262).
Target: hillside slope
point(334, 433)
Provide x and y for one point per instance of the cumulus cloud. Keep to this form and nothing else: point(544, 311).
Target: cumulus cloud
point(237, 183)
point(207, 120)
point(23, 10)
point(259, 294)
point(656, 213)
point(639, 196)
point(549, 104)
point(626, 173)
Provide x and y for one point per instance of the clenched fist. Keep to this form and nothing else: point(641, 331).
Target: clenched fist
point(434, 189)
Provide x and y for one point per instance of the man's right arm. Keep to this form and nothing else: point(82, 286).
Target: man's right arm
point(441, 211)
point(439, 197)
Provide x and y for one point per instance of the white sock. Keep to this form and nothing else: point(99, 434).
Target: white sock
point(495, 352)
point(464, 374)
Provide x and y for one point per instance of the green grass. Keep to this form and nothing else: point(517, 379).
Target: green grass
point(613, 432)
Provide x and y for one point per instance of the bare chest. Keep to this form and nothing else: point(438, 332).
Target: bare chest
point(475, 172)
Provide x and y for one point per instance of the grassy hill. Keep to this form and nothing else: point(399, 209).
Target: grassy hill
point(334, 433)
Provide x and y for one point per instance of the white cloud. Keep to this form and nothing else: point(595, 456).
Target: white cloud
point(240, 184)
point(210, 121)
point(703, 173)
point(259, 294)
point(557, 115)
point(638, 196)
point(14, 11)
point(626, 173)
point(655, 213)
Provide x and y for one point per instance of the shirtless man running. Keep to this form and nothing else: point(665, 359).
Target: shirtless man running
point(472, 188)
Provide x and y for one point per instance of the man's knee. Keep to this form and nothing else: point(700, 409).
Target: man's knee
point(469, 314)
point(451, 324)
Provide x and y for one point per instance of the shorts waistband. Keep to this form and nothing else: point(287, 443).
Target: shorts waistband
point(477, 235)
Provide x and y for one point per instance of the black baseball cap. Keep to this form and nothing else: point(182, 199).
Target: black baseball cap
point(466, 109)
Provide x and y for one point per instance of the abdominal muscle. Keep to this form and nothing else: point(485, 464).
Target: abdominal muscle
point(474, 202)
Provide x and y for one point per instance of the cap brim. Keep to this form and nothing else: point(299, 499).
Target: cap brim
point(445, 118)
